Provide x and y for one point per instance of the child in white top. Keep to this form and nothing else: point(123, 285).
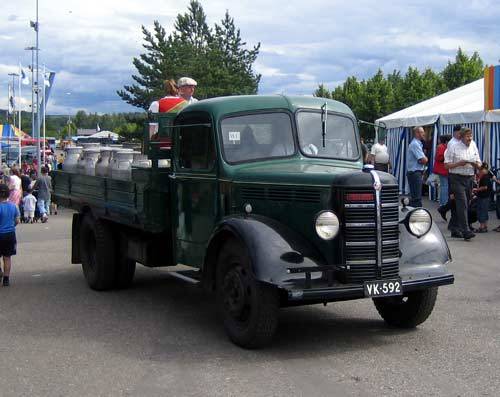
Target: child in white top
point(29, 204)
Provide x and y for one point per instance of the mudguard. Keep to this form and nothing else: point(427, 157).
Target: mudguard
point(272, 247)
point(422, 257)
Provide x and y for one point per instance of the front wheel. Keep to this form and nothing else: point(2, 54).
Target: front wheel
point(409, 310)
point(249, 308)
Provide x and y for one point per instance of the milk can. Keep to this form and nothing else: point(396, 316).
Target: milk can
point(102, 165)
point(80, 165)
point(71, 158)
point(120, 166)
point(91, 157)
point(114, 151)
point(141, 160)
point(89, 145)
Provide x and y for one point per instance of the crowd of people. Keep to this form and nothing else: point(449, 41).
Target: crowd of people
point(465, 182)
point(24, 197)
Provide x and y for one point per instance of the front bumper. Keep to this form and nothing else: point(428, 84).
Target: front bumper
point(320, 292)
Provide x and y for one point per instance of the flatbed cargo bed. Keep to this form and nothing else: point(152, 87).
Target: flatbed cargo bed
point(142, 202)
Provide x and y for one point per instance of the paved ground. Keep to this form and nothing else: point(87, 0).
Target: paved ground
point(162, 337)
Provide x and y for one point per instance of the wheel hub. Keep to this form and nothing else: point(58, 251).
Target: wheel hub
point(236, 297)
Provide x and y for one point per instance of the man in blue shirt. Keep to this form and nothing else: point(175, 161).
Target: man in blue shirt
point(415, 165)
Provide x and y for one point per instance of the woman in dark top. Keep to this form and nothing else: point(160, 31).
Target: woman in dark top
point(483, 192)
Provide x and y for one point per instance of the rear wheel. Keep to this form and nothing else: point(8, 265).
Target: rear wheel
point(249, 308)
point(97, 253)
point(409, 310)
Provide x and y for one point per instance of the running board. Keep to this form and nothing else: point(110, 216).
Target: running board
point(183, 277)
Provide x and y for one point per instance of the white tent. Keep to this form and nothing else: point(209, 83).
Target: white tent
point(105, 134)
point(463, 105)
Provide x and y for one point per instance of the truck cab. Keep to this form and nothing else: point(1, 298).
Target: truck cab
point(267, 202)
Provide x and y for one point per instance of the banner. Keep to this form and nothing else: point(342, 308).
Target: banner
point(492, 87)
point(48, 82)
point(25, 80)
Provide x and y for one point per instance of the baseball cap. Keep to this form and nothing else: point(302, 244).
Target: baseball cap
point(186, 81)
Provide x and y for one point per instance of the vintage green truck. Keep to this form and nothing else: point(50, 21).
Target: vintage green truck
point(267, 203)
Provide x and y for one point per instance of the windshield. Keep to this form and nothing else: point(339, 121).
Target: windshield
point(340, 136)
point(257, 136)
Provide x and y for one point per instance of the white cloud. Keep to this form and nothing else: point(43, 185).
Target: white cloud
point(91, 43)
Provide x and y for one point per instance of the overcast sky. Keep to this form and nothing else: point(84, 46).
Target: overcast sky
point(90, 43)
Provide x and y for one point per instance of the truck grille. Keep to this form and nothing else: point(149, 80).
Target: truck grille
point(281, 194)
point(360, 234)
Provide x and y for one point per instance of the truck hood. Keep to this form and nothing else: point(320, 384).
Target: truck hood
point(293, 172)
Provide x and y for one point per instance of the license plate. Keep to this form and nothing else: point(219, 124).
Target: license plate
point(376, 289)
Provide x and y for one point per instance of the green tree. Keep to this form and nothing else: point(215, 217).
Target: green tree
point(217, 58)
point(464, 70)
point(322, 92)
point(381, 95)
point(378, 97)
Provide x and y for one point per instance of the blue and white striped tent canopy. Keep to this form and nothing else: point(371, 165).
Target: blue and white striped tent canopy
point(7, 135)
point(463, 105)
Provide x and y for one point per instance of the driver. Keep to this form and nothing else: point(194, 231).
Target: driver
point(310, 149)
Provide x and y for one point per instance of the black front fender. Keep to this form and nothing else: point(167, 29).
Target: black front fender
point(272, 247)
point(423, 257)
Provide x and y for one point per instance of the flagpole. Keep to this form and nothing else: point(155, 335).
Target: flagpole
point(20, 110)
point(32, 49)
point(43, 108)
point(37, 93)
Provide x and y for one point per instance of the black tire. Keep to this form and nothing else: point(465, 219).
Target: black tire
point(97, 253)
point(249, 308)
point(409, 310)
point(125, 268)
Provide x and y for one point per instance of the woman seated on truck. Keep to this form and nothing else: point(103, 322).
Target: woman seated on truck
point(172, 102)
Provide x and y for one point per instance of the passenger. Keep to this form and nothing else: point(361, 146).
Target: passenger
point(171, 102)
point(186, 89)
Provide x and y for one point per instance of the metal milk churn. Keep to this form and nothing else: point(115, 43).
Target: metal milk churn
point(102, 165)
point(71, 158)
point(91, 157)
point(121, 165)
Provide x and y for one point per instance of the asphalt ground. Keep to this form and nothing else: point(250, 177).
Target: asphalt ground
point(162, 337)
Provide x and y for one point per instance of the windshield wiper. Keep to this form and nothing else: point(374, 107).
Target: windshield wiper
point(324, 116)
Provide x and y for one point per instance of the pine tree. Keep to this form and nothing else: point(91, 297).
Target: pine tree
point(322, 92)
point(218, 59)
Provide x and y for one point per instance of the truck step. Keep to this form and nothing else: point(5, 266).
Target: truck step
point(188, 276)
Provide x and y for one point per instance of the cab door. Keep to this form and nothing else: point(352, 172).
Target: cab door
point(194, 187)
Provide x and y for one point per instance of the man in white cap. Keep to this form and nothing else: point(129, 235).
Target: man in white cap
point(186, 87)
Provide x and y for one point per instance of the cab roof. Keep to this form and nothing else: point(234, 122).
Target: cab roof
point(222, 106)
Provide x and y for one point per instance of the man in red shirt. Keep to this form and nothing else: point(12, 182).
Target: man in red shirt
point(441, 170)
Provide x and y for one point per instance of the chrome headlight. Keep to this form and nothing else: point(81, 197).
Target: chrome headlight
point(418, 222)
point(327, 225)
